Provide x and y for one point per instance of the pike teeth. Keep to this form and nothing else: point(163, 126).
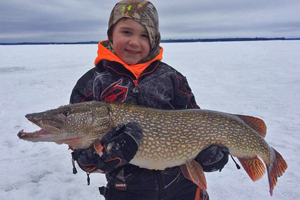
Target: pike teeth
point(41, 132)
point(21, 133)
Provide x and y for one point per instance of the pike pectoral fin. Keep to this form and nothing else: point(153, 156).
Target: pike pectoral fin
point(253, 166)
point(98, 147)
point(194, 172)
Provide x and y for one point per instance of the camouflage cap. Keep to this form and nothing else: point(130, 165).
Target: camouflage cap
point(142, 12)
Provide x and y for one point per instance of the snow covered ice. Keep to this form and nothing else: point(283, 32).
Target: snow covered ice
point(259, 79)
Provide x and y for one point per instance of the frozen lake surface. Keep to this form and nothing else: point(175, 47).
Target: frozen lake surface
point(259, 79)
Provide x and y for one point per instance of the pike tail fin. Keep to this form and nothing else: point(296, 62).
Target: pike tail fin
point(276, 169)
point(194, 172)
point(253, 166)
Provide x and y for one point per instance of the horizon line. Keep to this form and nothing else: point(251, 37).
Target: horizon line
point(165, 40)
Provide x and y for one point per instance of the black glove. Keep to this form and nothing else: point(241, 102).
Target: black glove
point(86, 159)
point(213, 158)
point(120, 146)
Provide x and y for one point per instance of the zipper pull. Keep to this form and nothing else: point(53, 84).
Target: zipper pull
point(136, 89)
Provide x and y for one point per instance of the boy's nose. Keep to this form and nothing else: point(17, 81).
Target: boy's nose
point(133, 41)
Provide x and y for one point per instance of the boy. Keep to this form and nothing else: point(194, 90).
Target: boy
point(129, 69)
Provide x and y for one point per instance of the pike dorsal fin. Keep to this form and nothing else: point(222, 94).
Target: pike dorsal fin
point(255, 123)
point(194, 172)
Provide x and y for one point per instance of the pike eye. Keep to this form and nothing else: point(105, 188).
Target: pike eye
point(66, 112)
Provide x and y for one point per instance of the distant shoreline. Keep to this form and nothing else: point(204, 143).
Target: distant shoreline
point(162, 41)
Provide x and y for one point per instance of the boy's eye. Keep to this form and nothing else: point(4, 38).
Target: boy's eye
point(145, 36)
point(126, 32)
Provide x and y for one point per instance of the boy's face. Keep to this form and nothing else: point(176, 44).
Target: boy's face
point(131, 41)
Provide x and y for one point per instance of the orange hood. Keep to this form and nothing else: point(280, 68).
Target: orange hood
point(137, 69)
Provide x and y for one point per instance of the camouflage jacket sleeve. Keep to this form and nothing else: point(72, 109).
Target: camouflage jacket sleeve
point(183, 91)
point(83, 88)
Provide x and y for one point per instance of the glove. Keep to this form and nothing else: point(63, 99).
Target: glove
point(86, 159)
point(213, 158)
point(120, 146)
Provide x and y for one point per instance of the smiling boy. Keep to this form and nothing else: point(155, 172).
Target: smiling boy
point(129, 69)
point(131, 41)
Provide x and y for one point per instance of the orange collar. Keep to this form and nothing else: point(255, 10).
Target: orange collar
point(105, 54)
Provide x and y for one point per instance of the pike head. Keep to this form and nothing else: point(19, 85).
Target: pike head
point(77, 125)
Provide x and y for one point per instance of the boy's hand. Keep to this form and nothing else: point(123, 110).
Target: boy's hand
point(120, 146)
point(86, 159)
point(213, 158)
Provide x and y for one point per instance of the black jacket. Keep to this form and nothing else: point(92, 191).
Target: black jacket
point(159, 86)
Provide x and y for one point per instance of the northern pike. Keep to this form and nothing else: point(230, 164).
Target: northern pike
point(170, 137)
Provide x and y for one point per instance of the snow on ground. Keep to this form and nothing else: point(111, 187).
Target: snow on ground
point(260, 79)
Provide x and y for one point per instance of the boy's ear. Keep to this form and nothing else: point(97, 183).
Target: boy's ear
point(110, 38)
point(109, 34)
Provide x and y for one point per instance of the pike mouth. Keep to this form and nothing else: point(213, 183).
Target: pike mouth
point(46, 128)
point(27, 135)
point(46, 136)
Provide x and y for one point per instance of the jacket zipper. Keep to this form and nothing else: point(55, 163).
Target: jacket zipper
point(136, 88)
point(135, 81)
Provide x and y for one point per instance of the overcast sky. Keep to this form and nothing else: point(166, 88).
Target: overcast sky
point(86, 20)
